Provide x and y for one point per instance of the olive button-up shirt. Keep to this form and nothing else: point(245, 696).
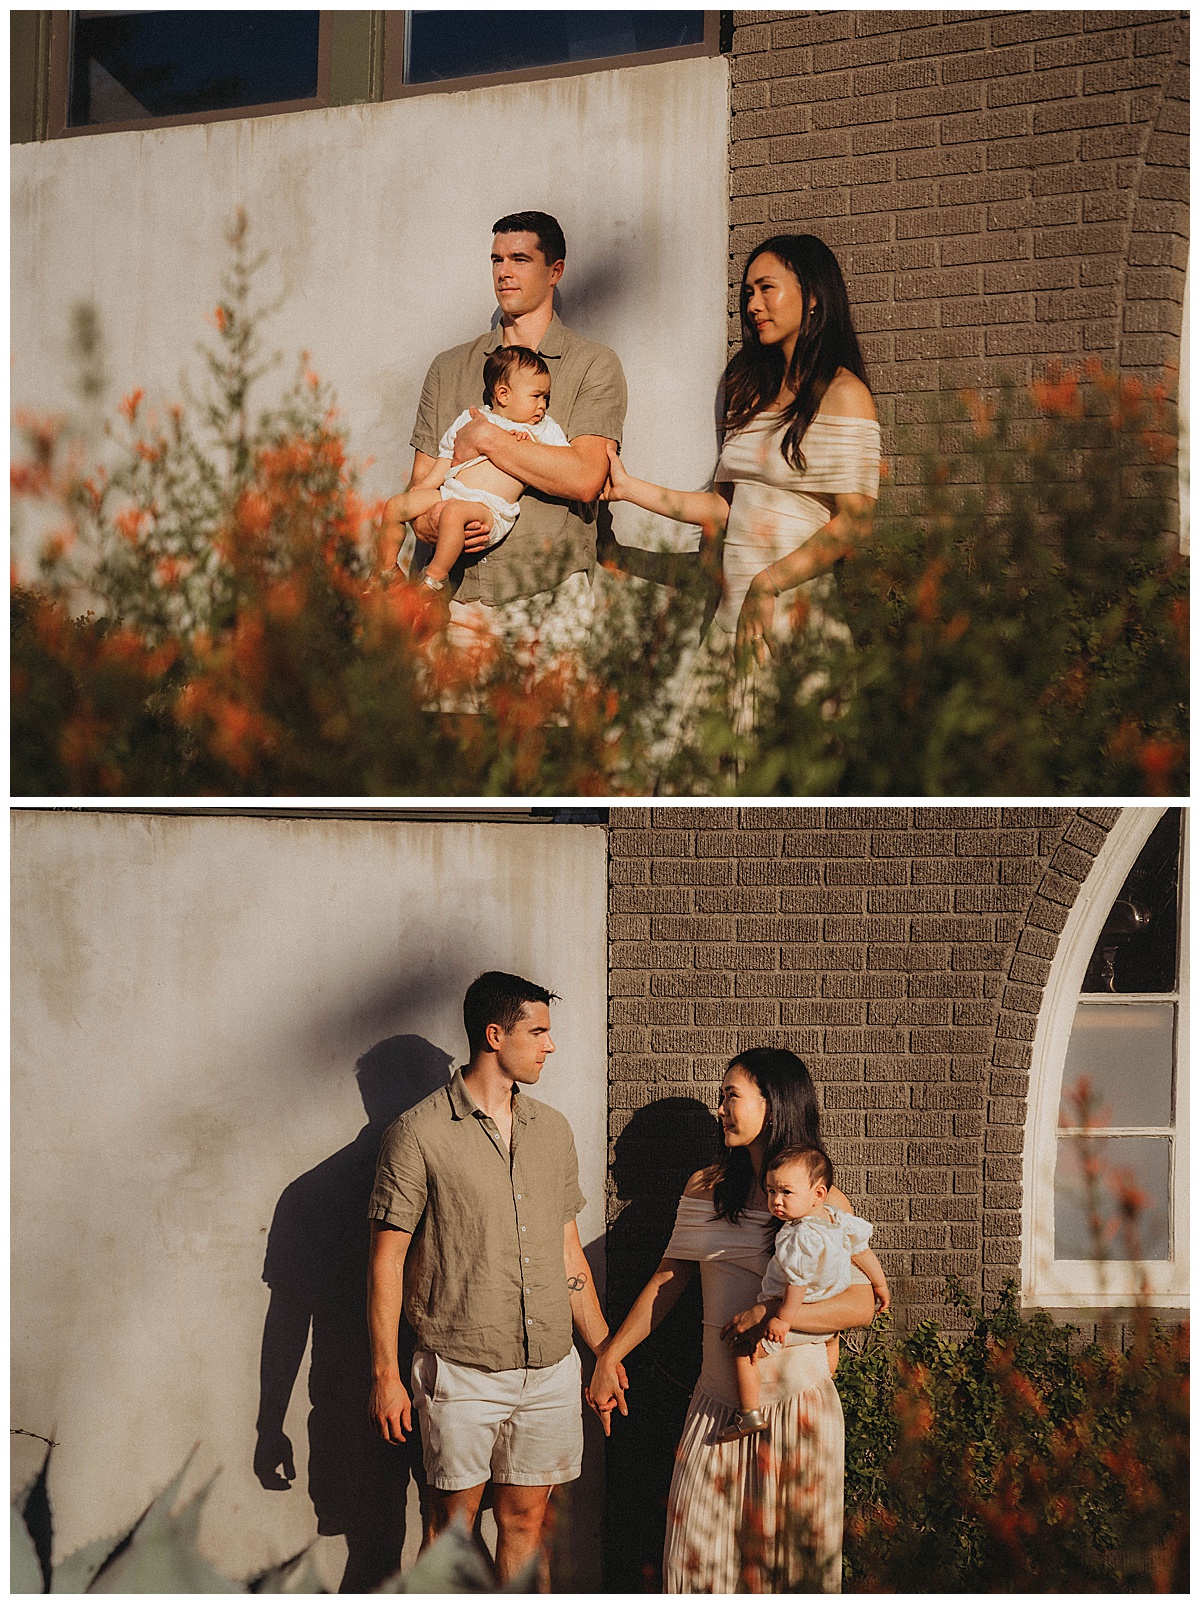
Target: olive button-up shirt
point(484, 1281)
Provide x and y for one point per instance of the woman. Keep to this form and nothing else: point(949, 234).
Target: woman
point(797, 481)
point(740, 1517)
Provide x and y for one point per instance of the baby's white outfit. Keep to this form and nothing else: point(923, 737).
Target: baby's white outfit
point(504, 513)
point(815, 1254)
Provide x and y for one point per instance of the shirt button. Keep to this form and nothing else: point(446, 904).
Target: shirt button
point(529, 1322)
point(526, 1261)
point(518, 1197)
point(522, 1228)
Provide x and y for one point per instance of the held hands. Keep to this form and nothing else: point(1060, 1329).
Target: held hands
point(606, 1390)
point(391, 1410)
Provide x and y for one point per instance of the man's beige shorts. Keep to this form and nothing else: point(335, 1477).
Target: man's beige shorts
point(522, 1428)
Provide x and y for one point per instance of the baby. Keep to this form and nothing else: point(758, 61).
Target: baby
point(516, 395)
point(814, 1250)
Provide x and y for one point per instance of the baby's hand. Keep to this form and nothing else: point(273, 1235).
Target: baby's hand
point(520, 434)
point(883, 1296)
point(777, 1330)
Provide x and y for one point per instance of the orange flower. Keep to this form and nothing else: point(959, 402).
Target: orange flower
point(129, 406)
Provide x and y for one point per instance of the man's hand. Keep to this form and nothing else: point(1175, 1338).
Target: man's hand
point(391, 1410)
point(472, 439)
point(274, 1463)
point(476, 536)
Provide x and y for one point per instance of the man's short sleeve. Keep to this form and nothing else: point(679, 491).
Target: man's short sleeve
point(401, 1187)
point(573, 1198)
point(425, 433)
point(599, 406)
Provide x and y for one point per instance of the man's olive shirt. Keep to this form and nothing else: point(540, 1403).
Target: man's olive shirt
point(484, 1281)
point(551, 539)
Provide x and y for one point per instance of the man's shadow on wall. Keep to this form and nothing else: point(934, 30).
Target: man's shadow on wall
point(316, 1268)
point(653, 1157)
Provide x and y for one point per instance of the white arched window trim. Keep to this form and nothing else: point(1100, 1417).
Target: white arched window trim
point(1077, 1284)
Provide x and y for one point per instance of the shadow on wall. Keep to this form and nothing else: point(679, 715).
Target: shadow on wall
point(316, 1268)
point(658, 1150)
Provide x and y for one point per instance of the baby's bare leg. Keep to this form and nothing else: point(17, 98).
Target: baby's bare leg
point(748, 1381)
point(452, 523)
point(398, 511)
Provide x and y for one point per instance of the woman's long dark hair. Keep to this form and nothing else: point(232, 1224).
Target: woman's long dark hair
point(794, 1121)
point(826, 342)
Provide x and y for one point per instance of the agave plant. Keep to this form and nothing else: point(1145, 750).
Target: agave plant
point(157, 1554)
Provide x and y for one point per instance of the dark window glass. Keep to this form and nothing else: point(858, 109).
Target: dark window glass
point(131, 64)
point(1137, 948)
point(457, 44)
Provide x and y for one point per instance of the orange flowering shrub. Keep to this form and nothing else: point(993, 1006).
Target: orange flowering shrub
point(1007, 1462)
point(213, 616)
point(1025, 631)
point(213, 613)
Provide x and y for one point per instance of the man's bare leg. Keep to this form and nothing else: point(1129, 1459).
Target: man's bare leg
point(443, 1507)
point(520, 1515)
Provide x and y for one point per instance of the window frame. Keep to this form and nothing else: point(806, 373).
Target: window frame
point(1047, 1282)
point(60, 73)
point(394, 87)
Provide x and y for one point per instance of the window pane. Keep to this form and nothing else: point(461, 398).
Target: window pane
point(130, 64)
point(1137, 949)
point(1140, 1162)
point(1127, 1054)
point(456, 44)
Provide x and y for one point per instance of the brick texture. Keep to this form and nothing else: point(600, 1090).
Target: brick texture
point(1001, 191)
point(912, 993)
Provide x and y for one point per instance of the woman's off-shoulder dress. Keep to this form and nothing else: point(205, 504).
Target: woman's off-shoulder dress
point(774, 508)
point(762, 1514)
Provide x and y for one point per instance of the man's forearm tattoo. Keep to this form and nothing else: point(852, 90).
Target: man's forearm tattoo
point(576, 1283)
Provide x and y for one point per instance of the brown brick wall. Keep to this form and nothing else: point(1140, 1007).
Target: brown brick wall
point(1000, 188)
point(900, 951)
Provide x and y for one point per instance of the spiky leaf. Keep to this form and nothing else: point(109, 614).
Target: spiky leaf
point(295, 1575)
point(455, 1562)
point(24, 1567)
point(32, 1504)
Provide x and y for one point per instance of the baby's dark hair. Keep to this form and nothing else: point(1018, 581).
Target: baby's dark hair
point(503, 362)
point(816, 1161)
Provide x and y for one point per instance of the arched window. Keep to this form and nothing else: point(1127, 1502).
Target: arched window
point(1108, 1094)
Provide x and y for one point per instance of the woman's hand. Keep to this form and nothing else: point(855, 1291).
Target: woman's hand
point(748, 1320)
point(617, 486)
point(606, 1390)
point(756, 621)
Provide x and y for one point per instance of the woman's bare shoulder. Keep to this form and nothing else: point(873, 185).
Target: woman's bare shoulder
point(848, 397)
point(700, 1185)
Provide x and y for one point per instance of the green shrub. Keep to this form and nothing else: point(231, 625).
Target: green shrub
point(1006, 1462)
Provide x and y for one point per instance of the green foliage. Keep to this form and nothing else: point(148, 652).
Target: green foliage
point(215, 613)
point(1007, 1462)
point(157, 1554)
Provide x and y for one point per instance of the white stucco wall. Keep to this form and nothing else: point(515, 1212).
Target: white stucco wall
point(377, 220)
point(190, 999)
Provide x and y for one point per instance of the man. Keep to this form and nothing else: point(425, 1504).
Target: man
point(551, 551)
point(485, 1178)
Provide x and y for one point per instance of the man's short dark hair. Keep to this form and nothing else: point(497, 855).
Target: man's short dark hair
point(498, 999)
point(816, 1162)
point(503, 360)
point(551, 240)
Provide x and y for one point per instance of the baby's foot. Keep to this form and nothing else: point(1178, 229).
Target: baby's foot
point(744, 1424)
